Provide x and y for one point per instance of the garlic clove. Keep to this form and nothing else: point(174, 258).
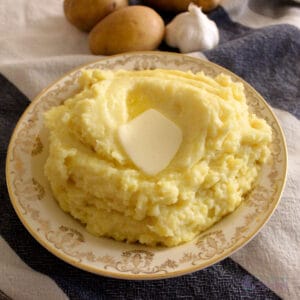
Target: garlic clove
point(192, 31)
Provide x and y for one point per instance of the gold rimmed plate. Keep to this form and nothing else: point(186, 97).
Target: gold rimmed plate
point(67, 239)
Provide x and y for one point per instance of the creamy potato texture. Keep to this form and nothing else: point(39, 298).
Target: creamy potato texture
point(223, 147)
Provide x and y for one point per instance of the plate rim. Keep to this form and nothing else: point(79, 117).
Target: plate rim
point(118, 275)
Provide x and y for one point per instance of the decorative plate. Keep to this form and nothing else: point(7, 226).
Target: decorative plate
point(67, 239)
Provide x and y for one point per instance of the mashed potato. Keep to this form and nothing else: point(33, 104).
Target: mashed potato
point(94, 180)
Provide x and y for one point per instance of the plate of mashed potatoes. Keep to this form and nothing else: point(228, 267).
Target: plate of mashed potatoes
point(146, 165)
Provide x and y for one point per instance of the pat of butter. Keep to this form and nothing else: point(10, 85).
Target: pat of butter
point(150, 140)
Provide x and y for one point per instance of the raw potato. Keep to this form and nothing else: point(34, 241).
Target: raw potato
point(133, 28)
point(182, 5)
point(85, 14)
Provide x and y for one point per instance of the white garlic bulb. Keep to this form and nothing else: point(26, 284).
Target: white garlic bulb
point(192, 31)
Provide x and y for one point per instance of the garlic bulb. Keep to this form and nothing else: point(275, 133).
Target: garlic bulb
point(192, 31)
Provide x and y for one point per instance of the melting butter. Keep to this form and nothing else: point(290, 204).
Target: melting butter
point(151, 141)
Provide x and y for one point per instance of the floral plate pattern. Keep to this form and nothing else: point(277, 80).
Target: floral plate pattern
point(67, 239)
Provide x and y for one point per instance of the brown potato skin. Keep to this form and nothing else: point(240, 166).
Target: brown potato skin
point(85, 14)
point(133, 28)
point(182, 5)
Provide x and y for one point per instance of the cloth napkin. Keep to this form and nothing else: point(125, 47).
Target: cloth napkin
point(37, 45)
